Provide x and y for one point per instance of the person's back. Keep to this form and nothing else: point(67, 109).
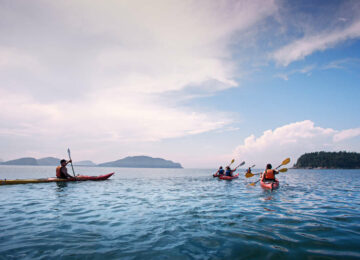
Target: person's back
point(269, 173)
point(228, 171)
point(221, 171)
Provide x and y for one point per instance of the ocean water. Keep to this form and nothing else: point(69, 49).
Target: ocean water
point(180, 214)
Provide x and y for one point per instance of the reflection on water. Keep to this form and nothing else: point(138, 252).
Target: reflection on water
point(179, 214)
point(61, 186)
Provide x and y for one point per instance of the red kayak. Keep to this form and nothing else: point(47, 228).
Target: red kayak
point(270, 185)
point(229, 178)
point(77, 178)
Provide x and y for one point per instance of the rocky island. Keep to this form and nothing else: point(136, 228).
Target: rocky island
point(329, 160)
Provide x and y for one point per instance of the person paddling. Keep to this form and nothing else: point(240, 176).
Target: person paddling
point(228, 171)
point(61, 171)
point(220, 171)
point(248, 170)
point(269, 173)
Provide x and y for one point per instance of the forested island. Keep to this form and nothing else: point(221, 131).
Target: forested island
point(329, 160)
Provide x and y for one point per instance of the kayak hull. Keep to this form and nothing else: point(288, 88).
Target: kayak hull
point(229, 178)
point(270, 185)
point(78, 178)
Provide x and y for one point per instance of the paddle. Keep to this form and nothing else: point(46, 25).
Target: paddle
point(232, 161)
point(71, 162)
point(241, 164)
point(286, 161)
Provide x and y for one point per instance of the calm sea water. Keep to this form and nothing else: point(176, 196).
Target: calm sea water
point(180, 214)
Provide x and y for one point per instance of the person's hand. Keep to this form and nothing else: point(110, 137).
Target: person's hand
point(70, 161)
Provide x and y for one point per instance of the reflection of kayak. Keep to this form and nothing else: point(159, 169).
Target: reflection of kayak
point(78, 178)
point(271, 185)
point(229, 177)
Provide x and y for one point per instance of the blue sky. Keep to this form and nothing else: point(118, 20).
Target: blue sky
point(198, 82)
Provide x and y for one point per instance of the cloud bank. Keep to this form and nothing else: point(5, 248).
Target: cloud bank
point(81, 71)
point(292, 140)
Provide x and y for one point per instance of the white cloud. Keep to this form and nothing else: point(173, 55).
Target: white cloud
point(292, 140)
point(346, 134)
point(106, 67)
point(309, 44)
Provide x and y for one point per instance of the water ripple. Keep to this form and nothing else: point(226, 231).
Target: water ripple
point(181, 214)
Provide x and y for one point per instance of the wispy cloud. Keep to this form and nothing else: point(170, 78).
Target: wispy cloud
point(341, 64)
point(309, 44)
point(286, 75)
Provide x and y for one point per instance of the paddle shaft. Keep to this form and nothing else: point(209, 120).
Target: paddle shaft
point(72, 167)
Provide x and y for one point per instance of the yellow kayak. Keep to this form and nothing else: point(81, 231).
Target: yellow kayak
point(77, 178)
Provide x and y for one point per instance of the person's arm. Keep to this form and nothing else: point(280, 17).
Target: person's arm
point(262, 177)
point(70, 161)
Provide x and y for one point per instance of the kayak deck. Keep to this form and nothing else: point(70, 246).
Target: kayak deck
point(78, 178)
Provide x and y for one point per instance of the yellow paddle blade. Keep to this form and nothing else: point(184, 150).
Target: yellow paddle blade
point(283, 170)
point(232, 161)
point(252, 184)
point(249, 174)
point(286, 161)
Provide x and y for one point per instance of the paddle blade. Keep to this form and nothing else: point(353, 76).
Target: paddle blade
point(241, 164)
point(253, 166)
point(252, 184)
point(283, 170)
point(232, 161)
point(286, 161)
point(249, 175)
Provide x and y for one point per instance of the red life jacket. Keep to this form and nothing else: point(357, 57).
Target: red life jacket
point(269, 174)
point(58, 172)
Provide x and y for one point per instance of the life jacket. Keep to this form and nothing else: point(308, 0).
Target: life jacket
point(221, 171)
point(58, 172)
point(269, 174)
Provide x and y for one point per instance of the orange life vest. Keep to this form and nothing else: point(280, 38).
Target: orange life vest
point(58, 172)
point(269, 174)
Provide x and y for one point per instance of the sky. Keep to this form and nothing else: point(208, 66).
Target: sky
point(196, 82)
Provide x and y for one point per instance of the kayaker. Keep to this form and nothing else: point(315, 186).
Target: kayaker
point(248, 170)
point(61, 171)
point(220, 171)
point(269, 173)
point(228, 171)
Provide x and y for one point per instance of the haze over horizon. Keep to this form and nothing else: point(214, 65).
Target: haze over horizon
point(195, 82)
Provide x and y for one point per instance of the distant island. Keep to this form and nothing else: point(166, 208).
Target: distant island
point(129, 162)
point(329, 160)
point(142, 162)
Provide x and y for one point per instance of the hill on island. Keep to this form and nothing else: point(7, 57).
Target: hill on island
point(329, 160)
point(142, 162)
point(32, 161)
point(22, 161)
point(130, 162)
